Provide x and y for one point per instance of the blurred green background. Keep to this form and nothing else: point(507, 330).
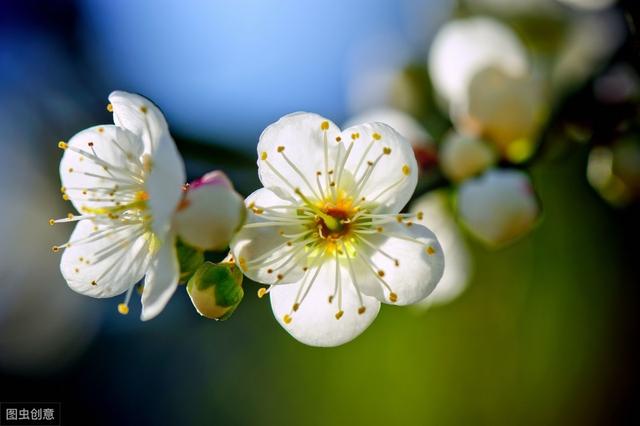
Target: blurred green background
point(545, 332)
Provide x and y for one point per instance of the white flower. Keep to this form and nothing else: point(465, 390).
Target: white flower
point(436, 211)
point(498, 206)
point(325, 229)
point(463, 156)
point(466, 46)
point(126, 181)
point(210, 212)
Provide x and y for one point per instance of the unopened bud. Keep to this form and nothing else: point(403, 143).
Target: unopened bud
point(216, 289)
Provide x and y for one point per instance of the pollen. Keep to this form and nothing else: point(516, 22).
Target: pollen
point(386, 150)
point(52, 222)
point(339, 314)
point(55, 249)
point(101, 129)
point(63, 145)
point(286, 319)
point(420, 215)
point(361, 310)
point(280, 148)
point(393, 297)
point(143, 109)
point(430, 251)
point(261, 292)
point(381, 273)
point(109, 107)
point(65, 197)
point(377, 136)
point(399, 218)
point(324, 125)
point(406, 170)
point(123, 309)
point(263, 156)
point(279, 277)
point(296, 306)
point(338, 139)
point(355, 136)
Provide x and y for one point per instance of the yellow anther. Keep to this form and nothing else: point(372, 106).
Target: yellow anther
point(381, 273)
point(361, 310)
point(263, 156)
point(63, 189)
point(296, 306)
point(109, 107)
point(143, 109)
point(406, 170)
point(280, 148)
point(286, 319)
point(62, 145)
point(420, 215)
point(242, 262)
point(65, 197)
point(261, 292)
point(338, 139)
point(393, 297)
point(69, 215)
point(101, 129)
point(123, 309)
point(279, 277)
point(431, 251)
point(324, 125)
point(377, 136)
point(55, 249)
point(399, 218)
point(386, 150)
point(52, 222)
point(380, 229)
point(355, 136)
point(339, 314)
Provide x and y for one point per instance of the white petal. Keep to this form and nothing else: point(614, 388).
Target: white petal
point(499, 206)
point(165, 184)
point(161, 281)
point(140, 116)
point(437, 215)
point(420, 263)
point(211, 215)
point(300, 138)
point(401, 122)
point(124, 262)
point(267, 245)
point(315, 323)
point(83, 162)
point(394, 177)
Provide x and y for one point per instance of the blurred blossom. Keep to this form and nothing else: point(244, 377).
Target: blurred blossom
point(588, 4)
point(464, 47)
point(614, 171)
point(334, 249)
point(422, 143)
point(210, 213)
point(513, 7)
point(437, 213)
point(499, 206)
point(506, 110)
point(590, 41)
point(463, 156)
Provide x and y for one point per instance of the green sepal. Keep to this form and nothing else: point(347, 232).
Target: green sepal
point(216, 289)
point(190, 260)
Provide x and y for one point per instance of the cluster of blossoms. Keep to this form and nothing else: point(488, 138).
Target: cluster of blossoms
point(497, 95)
point(325, 233)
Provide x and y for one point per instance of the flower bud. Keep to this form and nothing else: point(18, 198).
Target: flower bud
point(216, 289)
point(614, 171)
point(464, 156)
point(210, 213)
point(499, 206)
